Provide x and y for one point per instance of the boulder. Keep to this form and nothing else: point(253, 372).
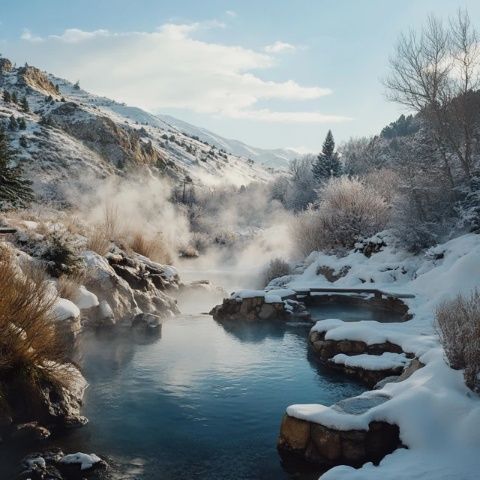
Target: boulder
point(30, 432)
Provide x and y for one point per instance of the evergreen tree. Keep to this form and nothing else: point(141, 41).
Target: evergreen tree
point(22, 124)
point(14, 97)
point(24, 105)
point(76, 86)
point(14, 190)
point(13, 124)
point(6, 96)
point(327, 164)
point(23, 142)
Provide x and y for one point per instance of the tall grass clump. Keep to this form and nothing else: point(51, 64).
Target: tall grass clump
point(458, 326)
point(154, 247)
point(31, 349)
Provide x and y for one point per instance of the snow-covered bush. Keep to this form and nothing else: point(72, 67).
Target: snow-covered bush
point(349, 210)
point(276, 268)
point(458, 325)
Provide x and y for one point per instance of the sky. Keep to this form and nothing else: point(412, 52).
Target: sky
point(272, 73)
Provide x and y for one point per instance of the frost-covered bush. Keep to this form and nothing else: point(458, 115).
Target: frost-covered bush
point(348, 211)
point(61, 256)
point(276, 268)
point(458, 325)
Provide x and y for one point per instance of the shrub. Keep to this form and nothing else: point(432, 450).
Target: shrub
point(458, 326)
point(60, 256)
point(32, 350)
point(276, 268)
point(154, 248)
point(348, 211)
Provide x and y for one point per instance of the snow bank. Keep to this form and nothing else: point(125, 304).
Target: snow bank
point(385, 361)
point(65, 309)
point(437, 414)
point(85, 299)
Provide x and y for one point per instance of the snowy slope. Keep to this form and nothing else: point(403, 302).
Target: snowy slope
point(437, 414)
point(73, 137)
point(276, 158)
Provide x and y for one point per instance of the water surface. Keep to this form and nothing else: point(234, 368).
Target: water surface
point(202, 401)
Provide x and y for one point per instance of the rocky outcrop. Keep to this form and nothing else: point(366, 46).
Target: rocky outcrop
point(31, 412)
point(318, 444)
point(53, 464)
point(121, 146)
point(326, 350)
point(34, 78)
point(256, 308)
point(5, 65)
point(128, 286)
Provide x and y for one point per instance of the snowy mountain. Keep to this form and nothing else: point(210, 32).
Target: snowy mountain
point(69, 137)
point(276, 158)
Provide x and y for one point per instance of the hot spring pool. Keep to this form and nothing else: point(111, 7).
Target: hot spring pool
point(198, 401)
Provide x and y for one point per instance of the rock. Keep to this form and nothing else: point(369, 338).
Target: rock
point(117, 302)
point(146, 320)
point(5, 65)
point(267, 311)
point(325, 446)
point(294, 433)
point(30, 432)
point(36, 79)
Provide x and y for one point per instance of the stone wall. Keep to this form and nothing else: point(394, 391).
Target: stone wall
point(325, 446)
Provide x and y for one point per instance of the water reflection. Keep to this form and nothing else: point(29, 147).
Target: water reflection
point(199, 400)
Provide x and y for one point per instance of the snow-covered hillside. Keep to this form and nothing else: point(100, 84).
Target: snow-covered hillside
point(72, 137)
point(276, 158)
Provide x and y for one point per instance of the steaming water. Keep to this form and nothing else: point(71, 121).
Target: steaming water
point(199, 400)
point(202, 401)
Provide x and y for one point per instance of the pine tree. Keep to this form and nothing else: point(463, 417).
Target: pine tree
point(22, 124)
point(24, 105)
point(23, 142)
point(327, 164)
point(14, 97)
point(6, 96)
point(12, 124)
point(14, 190)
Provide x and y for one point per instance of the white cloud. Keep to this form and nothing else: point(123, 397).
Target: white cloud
point(171, 68)
point(27, 35)
point(279, 47)
point(231, 13)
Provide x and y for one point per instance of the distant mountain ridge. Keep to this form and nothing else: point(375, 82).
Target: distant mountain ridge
point(275, 158)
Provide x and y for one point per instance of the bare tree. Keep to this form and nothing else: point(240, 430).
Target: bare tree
point(435, 73)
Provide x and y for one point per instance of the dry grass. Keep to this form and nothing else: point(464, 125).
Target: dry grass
point(154, 248)
point(68, 285)
point(458, 325)
point(98, 241)
point(30, 345)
